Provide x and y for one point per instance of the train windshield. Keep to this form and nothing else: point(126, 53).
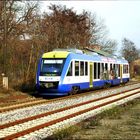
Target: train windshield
point(52, 67)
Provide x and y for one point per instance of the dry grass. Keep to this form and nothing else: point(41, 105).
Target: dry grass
point(119, 123)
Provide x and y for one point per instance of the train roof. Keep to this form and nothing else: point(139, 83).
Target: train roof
point(85, 54)
point(56, 54)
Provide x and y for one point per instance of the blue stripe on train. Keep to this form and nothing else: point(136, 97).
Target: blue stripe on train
point(64, 89)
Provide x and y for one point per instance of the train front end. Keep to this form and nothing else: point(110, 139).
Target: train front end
point(49, 73)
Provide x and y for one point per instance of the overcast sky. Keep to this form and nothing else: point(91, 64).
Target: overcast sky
point(122, 18)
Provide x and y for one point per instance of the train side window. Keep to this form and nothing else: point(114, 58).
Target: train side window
point(81, 68)
point(98, 76)
point(127, 69)
point(70, 70)
point(95, 70)
point(118, 70)
point(111, 67)
point(101, 70)
point(86, 68)
point(102, 67)
point(76, 68)
point(124, 69)
point(106, 67)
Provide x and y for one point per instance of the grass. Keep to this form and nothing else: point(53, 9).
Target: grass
point(136, 77)
point(65, 132)
point(121, 122)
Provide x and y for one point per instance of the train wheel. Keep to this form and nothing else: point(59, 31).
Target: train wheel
point(122, 84)
point(74, 90)
point(107, 85)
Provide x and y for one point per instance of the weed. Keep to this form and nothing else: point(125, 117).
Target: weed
point(65, 132)
point(112, 113)
point(95, 122)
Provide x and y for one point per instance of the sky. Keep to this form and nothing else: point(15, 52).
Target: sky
point(122, 17)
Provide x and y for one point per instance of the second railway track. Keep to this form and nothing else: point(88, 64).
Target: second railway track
point(33, 102)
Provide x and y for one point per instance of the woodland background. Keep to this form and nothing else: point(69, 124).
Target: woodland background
point(26, 33)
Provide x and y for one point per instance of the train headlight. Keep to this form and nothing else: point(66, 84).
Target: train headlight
point(49, 85)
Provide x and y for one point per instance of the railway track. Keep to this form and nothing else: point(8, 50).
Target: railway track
point(45, 124)
point(33, 102)
point(22, 105)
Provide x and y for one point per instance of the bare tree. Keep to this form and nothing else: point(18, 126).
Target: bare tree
point(64, 28)
point(129, 50)
point(109, 45)
point(16, 17)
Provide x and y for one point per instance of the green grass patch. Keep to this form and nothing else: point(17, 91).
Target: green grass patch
point(115, 112)
point(65, 132)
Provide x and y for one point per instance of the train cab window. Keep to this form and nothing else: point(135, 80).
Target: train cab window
point(81, 68)
point(70, 70)
point(52, 67)
point(76, 68)
point(86, 68)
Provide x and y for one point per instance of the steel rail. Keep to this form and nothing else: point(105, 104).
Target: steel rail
point(24, 132)
point(17, 106)
point(58, 110)
point(14, 103)
point(23, 105)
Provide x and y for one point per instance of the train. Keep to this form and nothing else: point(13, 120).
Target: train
point(67, 71)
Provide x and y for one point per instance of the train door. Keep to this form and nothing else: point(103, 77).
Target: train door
point(121, 72)
point(90, 74)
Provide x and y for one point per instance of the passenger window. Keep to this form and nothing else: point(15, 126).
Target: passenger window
point(102, 67)
point(127, 69)
point(118, 70)
point(98, 71)
point(76, 68)
point(124, 69)
point(81, 68)
point(70, 70)
point(86, 68)
point(111, 67)
point(95, 70)
point(106, 68)
point(102, 71)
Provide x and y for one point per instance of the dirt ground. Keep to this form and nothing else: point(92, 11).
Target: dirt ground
point(9, 97)
point(120, 123)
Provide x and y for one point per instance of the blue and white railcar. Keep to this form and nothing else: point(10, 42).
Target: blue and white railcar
point(65, 72)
